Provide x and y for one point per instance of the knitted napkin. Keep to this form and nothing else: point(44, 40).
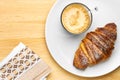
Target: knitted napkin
point(23, 64)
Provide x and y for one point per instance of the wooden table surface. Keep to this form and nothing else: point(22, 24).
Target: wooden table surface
point(24, 21)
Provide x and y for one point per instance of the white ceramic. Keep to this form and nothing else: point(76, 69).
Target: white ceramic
point(62, 45)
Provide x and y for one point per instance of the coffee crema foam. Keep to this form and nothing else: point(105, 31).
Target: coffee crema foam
point(76, 18)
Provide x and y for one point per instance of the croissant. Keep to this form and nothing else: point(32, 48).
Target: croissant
point(97, 46)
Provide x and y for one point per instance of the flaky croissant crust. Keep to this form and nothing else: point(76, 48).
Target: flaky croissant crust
point(97, 46)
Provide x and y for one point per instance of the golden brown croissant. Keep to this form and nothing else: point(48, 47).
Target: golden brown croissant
point(96, 46)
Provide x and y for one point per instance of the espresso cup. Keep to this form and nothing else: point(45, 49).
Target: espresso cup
point(76, 18)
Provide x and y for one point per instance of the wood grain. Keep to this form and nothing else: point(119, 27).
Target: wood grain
point(24, 21)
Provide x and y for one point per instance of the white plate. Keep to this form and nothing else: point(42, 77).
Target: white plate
point(63, 45)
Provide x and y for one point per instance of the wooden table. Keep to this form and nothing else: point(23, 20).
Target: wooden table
point(24, 21)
